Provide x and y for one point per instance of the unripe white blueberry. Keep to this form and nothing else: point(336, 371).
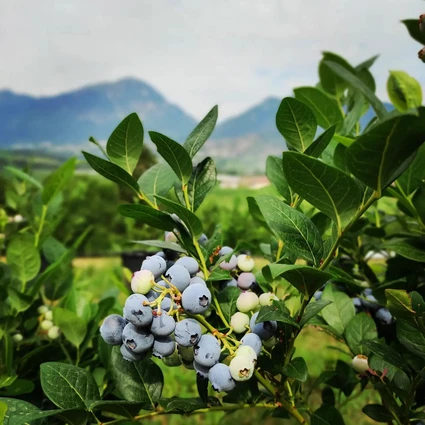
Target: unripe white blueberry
point(43, 309)
point(46, 325)
point(239, 321)
point(17, 337)
point(247, 301)
point(242, 368)
point(53, 332)
point(142, 282)
point(360, 363)
point(170, 237)
point(245, 262)
point(48, 315)
point(247, 351)
point(267, 298)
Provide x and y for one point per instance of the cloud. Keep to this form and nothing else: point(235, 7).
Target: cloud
point(200, 53)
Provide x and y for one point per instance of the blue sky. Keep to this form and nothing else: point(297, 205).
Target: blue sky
point(200, 52)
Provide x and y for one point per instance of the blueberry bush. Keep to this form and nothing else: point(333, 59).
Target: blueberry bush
point(345, 254)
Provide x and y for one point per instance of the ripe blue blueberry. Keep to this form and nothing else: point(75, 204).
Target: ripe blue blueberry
point(207, 350)
point(370, 302)
point(196, 298)
point(137, 340)
point(137, 313)
point(200, 369)
point(166, 304)
point(187, 333)
point(357, 302)
point(156, 264)
point(178, 276)
point(225, 250)
point(264, 330)
point(203, 239)
point(246, 280)
point(231, 282)
point(384, 316)
point(152, 295)
point(252, 340)
point(162, 325)
point(130, 356)
point(111, 329)
point(163, 347)
point(220, 378)
point(318, 295)
point(197, 279)
point(189, 263)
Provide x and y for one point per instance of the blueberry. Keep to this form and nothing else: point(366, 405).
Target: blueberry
point(197, 279)
point(173, 360)
point(166, 304)
point(360, 363)
point(200, 369)
point(142, 281)
point(130, 356)
point(230, 264)
point(242, 368)
point(152, 295)
point(357, 302)
point(162, 255)
point(111, 329)
point(231, 282)
point(239, 322)
point(170, 237)
point(247, 301)
point(225, 250)
point(163, 347)
point(137, 340)
point(137, 313)
point(156, 264)
point(371, 303)
point(189, 263)
point(246, 280)
point(207, 351)
point(384, 316)
point(245, 262)
point(185, 353)
point(267, 298)
point(54, 332)
point(252, 340)
point(318, 295)
point(220, 378)
point(162, 325)
point(188, 364)
point(270, 343)
point(196, 299)
point(188, 332)
point(178, 276)
point(264, 330)
point(203, 239)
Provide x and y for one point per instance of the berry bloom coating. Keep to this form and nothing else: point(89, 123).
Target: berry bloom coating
point(225, 250)
point(229, 265)
point(163, 347)
point(267, 298)
point(247, 301)
point(207, 351)
point(246, 280)
point(239, 322)
point(245, 263)
point(220, 378)
point(203, 239)
point(252, 340)
point(137, 340)
point(170, 237)
point(186, 353)
point(231, 282)
point(130, 356)
point(384, 316)
point(242, 368)
point(166, 304)
point(137, 313)
point(247, 351)
point(42, 309)
point(200, 369)
point(196, 298)
point(46, 325)
point(187, 333)
point(178, 276)
point(17, 337)
point(265, 330)
point(173, 360)
point(162, 325)
point(360, 363)
point(162, 255)
point(189, 263)
point(197, 279)
point(156, 264)
point(152, 295)
point(142, 282)
point(111, 329)
point(53, 332)
point(270, 343)
point(48, 315)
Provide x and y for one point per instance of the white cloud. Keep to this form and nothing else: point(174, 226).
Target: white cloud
point(199, 53)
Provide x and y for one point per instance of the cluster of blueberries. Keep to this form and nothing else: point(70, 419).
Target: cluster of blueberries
point(166, 313)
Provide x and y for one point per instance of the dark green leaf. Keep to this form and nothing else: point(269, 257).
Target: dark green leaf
point(219, 274)
point(23, 257)
point(202, 386)
point(404, 91)
point(297, 124)
point(128, 409)
point(399, 303)
point(148, 215)
point(316, 182)
point(411, 248)
point(139, 381)
point(328, 396)
point(412, 177)
point(73, 327)
point(175, 155)
point(161, 244)
point(299, 233)
point(353, 116)
point(18, 300)
point(111, 171)
point(57, 180)
point(379, 153)
point(278, 312)
point(296, 369)
point(327, 415)
point(53, 249)
point(227, 299)
point(378, 413)
point(255, 211)
point(359, 328)
point(201, 133)
point(276, 176)
point(68, 387)
point(412, 335)
point(321, 143)
point(385, 353)
point(418, 201)
point(182, 405)
point(414, 31)
point(125, 144)
point(329, 79)
point(313, 308)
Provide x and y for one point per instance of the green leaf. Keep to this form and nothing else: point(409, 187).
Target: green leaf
point(175, 155)
point(296, 369)
point(256, 214)
point(321, 143)
point(125, 144)
point(411, 178)
point(306, 279)
point(23, 176)
point(23, 257)
point(404, 91)
point(329, 79)
point(330, 190)
point(158, 180)
point(418, 201)
point(399, 303)
point(56, 181)
point(367, 63)
point(379, 153)
point(354, 81)
point(277, 312)
point(139, 381)
point(324, 108)
point(182, 405)
point(18, 300)
point(353, 116)
point(73, 327)
point(111, 171)
point(340, 312)
point(17, 410)
point(68, 387)
point(297, 124)
point(378, 413)
point(128, 409)
point(294, 228)
point(227, 299)
point(386, 353)
point(359, 328)
point(327, 415)
point(411, 248)
point(161, 244)
point(411, 334)
point(201, 133)
point(219, 274)
point(192, 222)
point(148, 215)
point(276, 176)
point(312, 309)
point(414, 31)
point(53, 249)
